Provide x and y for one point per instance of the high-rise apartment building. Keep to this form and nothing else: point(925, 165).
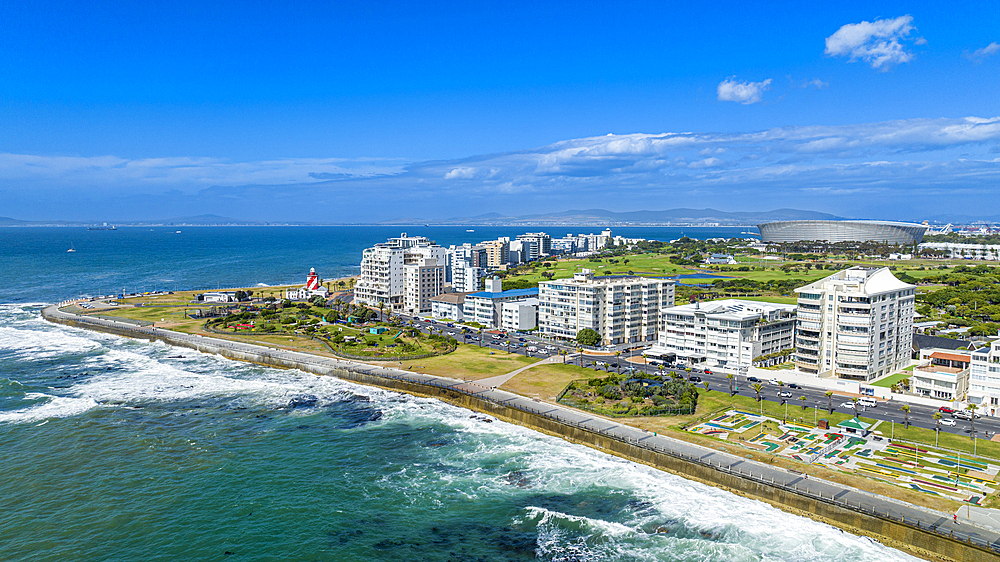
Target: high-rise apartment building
point(542, 244)
point(856, 324)
point(384, 276)
point(497, 252)
point(622, 309)
point(984, 379)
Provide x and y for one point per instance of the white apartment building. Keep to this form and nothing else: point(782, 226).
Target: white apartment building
point(519, 315)
point(384, 276)
point(542, 244)
point(855, 324)
point(984, 379)
point(726, 334)
point(448, 306)
point(483, 307)
point(622, 309)
point(424, 278)
point(961, 251)
point(945, 375)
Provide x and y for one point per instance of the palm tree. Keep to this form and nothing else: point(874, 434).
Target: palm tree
point(480, 337)
point(829, 400)
point(580, 351)
point(757, 388)
point(381, 310)
point(564, 353)
point(730, 377)
point(660, 368)
point(854, 401)
point(906, 415)
point(618, 362)
point(972, 419)
point(803, 399)
point(937, 426)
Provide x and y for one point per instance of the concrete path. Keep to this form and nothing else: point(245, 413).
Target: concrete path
point(979, 530)
point(499, 380)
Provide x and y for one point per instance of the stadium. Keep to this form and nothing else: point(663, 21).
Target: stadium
point(842, 231)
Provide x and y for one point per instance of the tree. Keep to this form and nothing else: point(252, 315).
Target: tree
point(588, 336)
point(618, 362)
point(803, 399)
point(381, 310)
point(240, 296)
point(705, 384)
point(729, 376)
point(906, 415)
point(579, 351)
point(564, 353)
point(829, 400)
point(854, 401)
point(757, 387)
point(972, 419)
point(937, 424)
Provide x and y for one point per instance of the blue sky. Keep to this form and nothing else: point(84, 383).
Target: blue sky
point(372, 111)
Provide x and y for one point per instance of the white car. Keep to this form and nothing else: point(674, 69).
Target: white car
point(773, 381)
point(600, 363)
point(947, 421)
point(848, 405)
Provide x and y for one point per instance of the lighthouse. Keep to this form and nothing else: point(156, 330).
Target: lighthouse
point(312, 280)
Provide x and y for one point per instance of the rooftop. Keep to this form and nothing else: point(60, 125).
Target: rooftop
point(506, 294)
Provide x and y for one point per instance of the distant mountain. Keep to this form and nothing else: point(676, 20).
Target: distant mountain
point(963, 219)
point(670, 216)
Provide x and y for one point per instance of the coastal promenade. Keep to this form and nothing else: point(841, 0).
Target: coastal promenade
point(928, 533)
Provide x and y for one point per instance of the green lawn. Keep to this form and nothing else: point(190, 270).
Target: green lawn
point(778, 300)
point(887, 382)
point(964, 443)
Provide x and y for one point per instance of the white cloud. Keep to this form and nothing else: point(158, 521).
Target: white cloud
point(987, 51)
point(817, 83)
point(742, 92)
point(879, 43)
point(460, 174)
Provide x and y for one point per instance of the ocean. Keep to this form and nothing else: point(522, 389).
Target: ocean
point(116, 449)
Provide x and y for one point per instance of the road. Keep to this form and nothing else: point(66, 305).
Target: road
point(797, 482)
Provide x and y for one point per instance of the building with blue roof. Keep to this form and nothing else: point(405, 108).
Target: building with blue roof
point(483, 307)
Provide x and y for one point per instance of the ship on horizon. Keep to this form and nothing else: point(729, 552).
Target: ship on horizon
point(105, 226)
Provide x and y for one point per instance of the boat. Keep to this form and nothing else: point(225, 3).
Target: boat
point(71, 249)
point(104, 227)
point(469, 230)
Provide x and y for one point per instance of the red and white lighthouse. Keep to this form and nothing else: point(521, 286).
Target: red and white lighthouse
point(312, 281)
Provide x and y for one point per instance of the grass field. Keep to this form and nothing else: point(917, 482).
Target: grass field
point(887, 382)
point(470, 362)
point(547, 381)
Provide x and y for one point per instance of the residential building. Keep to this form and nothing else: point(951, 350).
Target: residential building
point(984, 379)
point(542, 244)
point(483, 307)
point(218, 297)
point(622, 309)
point(961, 251)
point(448, 306)
point(497, 252)
point(726, 334)
point(945, 376)
point(424, 278)
point(383, 275)
point(720, 259)
point(467, 279)
point(855, 324)
point(519, 315)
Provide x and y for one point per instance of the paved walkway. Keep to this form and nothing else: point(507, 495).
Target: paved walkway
point(499, 380)
point(845, 496)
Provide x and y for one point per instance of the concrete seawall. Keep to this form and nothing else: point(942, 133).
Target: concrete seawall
point(925, 539)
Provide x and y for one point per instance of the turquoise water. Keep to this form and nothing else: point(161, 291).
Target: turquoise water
point(120, 450)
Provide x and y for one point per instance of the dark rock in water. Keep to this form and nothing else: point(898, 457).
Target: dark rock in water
point(638, 505)
point(355, 417)
point(302, 401)
point(518, 478)
point(484, 419)
point(436, 443)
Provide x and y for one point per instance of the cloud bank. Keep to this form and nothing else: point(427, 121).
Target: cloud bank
point(879, 43)
point(987, 51)
point(893, 169)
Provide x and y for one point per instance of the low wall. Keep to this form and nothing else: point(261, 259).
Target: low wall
point(903, 535)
